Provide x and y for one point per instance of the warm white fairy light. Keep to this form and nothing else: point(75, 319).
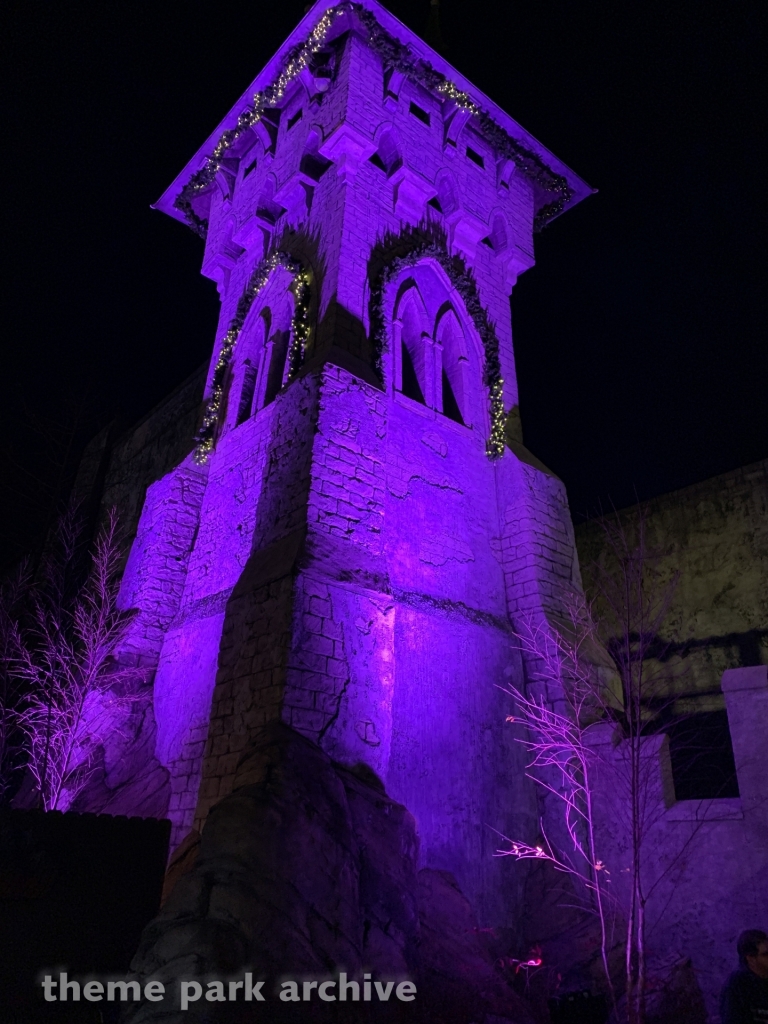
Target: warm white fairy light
point(465, 286)
point(415, 69)
point(300, 333)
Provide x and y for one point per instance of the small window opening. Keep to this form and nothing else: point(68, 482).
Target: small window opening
point(321, 64)
point(377, 162)
point(246, 394)
point(487, 241)
point(700, 749)
point(475, 157)
point(251, 167)
point(417, 111)
point(434, 202)
point(294, 120)
point(505, 184)
point(277, 365)
point(411, 386)
point(450, 405)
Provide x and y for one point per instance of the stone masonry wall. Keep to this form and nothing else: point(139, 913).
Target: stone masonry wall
point(353, 556)
point(237, 605)
point(716, 534)
point(703, 860)
point(116, 471)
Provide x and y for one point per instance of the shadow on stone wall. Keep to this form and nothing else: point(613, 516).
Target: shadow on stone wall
point(307, 869)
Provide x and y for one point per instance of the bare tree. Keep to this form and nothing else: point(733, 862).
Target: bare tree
point(605, 677)
point(63, 656)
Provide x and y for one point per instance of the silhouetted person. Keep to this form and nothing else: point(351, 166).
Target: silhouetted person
point(745, 996)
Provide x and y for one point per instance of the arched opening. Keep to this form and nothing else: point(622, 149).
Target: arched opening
point(446, 194)
point(278, 364)
point(387, 157)
point(437, 355)
point(451, 339)
point(253, 350)
point(413, 363)
point(312, 163)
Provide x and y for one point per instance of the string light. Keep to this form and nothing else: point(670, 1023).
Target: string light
point(272, 96)
point(300, 332)
point(394, 55)
point(462, 281)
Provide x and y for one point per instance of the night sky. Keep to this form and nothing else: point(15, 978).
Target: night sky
point(639, 337)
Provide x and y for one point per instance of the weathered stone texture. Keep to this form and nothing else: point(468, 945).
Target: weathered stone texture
point(703, 860)
point(308, 868)
point(150, 449)
point(716, 535)
point(350, 562)
point(156, 571)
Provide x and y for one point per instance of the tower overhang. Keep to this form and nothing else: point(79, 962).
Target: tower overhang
point(441, 76)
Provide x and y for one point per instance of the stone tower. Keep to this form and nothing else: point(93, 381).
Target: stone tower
point(359, 524)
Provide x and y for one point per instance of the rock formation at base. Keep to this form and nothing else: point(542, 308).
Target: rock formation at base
point(305, 870)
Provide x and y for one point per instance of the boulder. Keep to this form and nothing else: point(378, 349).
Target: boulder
point(305, 870)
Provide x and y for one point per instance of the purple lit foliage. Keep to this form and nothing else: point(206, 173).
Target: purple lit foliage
point(64, 657)
point(13, 595)
point(597, 745)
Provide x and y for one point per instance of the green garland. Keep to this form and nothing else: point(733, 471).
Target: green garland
point(394, 55)
point(462, 281)
point(300, 331)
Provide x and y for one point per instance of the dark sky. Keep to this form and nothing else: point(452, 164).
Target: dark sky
point(641, 356)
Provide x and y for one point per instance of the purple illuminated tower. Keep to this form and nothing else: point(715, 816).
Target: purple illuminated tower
point(359, 523)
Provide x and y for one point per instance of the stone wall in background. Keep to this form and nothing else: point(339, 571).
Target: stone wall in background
point(117, 467)
point(715, 534)
point(704, 861)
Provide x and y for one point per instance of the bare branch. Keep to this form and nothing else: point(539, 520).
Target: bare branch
point(64, 657)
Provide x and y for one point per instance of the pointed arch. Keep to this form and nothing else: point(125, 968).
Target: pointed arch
point(266, 207)
point(430, 262)
point(312, 163)
point(499, 236)
point(412, 323)
point(449, 335)
point(251, 365)
point(446, 192)
point(505, 171)
point(388, 155)
point(292, 301)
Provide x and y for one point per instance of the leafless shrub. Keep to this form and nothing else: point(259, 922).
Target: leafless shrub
point(62, 656)
point(585, 676)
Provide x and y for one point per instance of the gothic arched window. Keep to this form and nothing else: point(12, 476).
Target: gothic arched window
point(437, 358)
point(413, 363)
point(259, 366)
point(454, 360)
point(249, 373)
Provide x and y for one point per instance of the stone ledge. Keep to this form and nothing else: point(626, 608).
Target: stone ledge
point(727, 809)
point(752, 678)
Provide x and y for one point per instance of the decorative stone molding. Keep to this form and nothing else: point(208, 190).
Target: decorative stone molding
point(347, 147)
point(411, 192)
